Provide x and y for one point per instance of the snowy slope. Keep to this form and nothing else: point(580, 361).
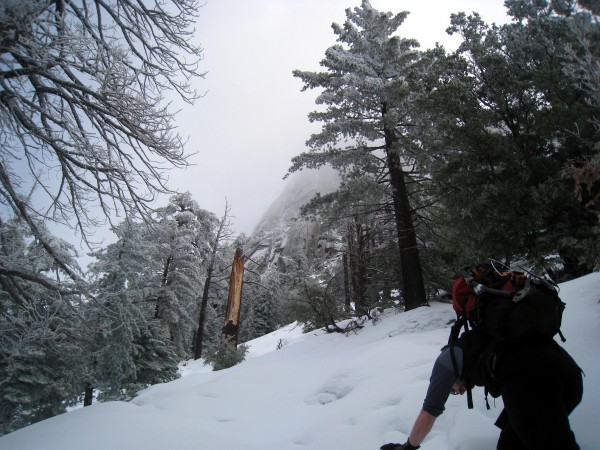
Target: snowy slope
point(319, 392)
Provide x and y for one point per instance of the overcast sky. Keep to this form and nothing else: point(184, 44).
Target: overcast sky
point(253, 118)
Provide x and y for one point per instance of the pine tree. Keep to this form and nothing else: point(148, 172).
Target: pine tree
point(43, 337)
point(502, 140)
point(367, 119)
point(133, 349)
point(149, 286)
point(185, 233)
point(359, 219)
point(221, 235)
point(260, 311)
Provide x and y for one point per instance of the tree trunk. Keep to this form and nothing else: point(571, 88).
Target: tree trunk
point(347, 298)
point(88, 396)
point(202, 316)
point(199, 339)
point(164, 281)
point(234, 303)
point(351, 261)
point(361, 275)
point(413, 288)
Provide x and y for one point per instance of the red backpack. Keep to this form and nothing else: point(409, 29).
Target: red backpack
point(470, 283)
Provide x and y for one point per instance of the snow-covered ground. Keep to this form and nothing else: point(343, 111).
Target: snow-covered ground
point(320, 392)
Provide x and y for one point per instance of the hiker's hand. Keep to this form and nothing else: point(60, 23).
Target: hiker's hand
point(406, 446)
point(458, 389)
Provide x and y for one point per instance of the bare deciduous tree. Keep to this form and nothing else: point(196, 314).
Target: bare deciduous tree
point(84, 121)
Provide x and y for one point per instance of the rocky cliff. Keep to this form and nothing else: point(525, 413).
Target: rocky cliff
point(282, 237)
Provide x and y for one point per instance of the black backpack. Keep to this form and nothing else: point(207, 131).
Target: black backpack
point(534, 311)
point(496, 305)
point(507, 304)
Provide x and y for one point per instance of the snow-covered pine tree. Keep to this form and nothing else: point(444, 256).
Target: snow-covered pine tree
point(367, 120)
point(357, 216)
point(43, 337)
point(261, 306)
point(508, 123)
point(149, 285)
point(213, 265)
point(185, 233)
point(132, 347)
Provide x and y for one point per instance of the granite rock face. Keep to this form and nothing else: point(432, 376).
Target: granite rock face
point(282, 239)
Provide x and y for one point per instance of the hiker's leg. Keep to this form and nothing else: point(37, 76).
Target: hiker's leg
point(508, 439)
point(532, 390)
point(572, 390)
point(539, 419)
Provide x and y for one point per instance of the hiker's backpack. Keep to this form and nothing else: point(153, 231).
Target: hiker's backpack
point(499, 305)
point(507, 304)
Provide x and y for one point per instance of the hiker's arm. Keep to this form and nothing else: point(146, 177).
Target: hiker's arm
point(443, 377)
point(421, 428)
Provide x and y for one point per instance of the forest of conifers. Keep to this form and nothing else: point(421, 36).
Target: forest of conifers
point(445, 158)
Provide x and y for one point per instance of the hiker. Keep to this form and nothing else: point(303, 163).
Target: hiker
point(539, 382)
point(541, 386)
point(442, 382)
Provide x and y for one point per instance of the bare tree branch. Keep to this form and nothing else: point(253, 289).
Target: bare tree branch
point(83, 110)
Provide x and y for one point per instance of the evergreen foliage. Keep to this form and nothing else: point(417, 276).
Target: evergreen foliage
point(212, 288)
point(367, 120)
point(261, 304)
point(149, 285)
point(184, 233)
point(505, 119)
point(360, 213)
point(487, 151)
point(127, 280)
point(225, 354)
point(43, 338)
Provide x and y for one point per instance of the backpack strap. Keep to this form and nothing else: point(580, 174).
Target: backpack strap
point(470, 397)
point(487, 403)
point(461, 322)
